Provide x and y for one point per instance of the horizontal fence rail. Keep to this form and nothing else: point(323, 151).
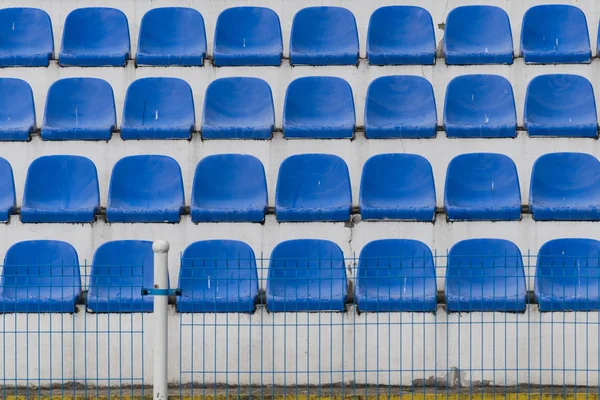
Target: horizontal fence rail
point(240, 326)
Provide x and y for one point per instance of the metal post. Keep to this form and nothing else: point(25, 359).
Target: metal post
point(160, 328)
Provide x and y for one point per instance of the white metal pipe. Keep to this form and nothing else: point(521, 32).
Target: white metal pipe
point(160, 328)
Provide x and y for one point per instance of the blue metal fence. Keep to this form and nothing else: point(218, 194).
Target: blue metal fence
point(301, 325)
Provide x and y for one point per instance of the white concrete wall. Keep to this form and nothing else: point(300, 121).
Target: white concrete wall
point(297, 349)
point(360, 348)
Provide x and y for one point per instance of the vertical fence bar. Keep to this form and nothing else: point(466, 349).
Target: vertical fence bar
point(161, 282)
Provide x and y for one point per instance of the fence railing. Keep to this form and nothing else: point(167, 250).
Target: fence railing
point(239, 326)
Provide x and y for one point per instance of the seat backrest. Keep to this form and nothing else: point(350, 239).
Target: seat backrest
point(565, 187)
point(324, 35)
point(482, 186)
point(158, 108)
point(26, 38)
point(120, 270)
point(218, 276)
point(397, 186)
point(400, 35)
point(40, 276)
point(478, 34)
point(400, 106)
point(238, 108)
point(229, 187)
point(145, 188)
point(560, 105)
point(172, 36)
point(95, 37)
point(17, 110)
point(61, 189)
point(485, 275)
point(480, 106)
point(555, 33)
point(79, 109)
point(396, 275)
point(319, 107)
point(313, 187)
point(248, 36)
point(306, 275)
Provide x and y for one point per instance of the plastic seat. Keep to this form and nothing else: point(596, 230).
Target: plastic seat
point(95, 37)
point(324, 36)
point(482, 186)
point(555, 34)
point(478, 35)
point(306, 275)
point(400, 35)
point(229, 188)
point(158, 108)
point(485, 275)
point(145, 188)
point(567, 275)
point(480, 106)
point(248, 36)
point(400, 106)
point(319, 107)
point(79, 109)
point(560, 105)
point(238, 108)
point(396, 275)
point(565, 187)
point(217, 276)
point(17, 110)
point(397, 186)
point(171, 36)
point(25, 38)
point(40, 276)
point(8, 202)
point(313, 187)
point(120, 270)
point(61, 189)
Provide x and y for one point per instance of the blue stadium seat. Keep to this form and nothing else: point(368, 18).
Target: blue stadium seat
point(229, 188)
point(61, 189)
point(171, 36)
point(313, 187)
point(248, 36)
point(40, 276)
point(478, 35)
point(482, 186)
point(324, 36)
point(397, 186)
point(145, 188)
point(79, 109)
point(217, 276)
point(238, 108)
point(567, 275)
point(8, 200)
point(158, 108)
point(95, 37)
point(400, 106)
point(396, 275)
point(120, 270)
point(17, 111)
point(25, 38)
point(401, 35)
point(306, 275)
point(485, 275)
point(480, 106)
point(555, 34)
point(319, 107)
point(565, 187)
point(560, 105)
